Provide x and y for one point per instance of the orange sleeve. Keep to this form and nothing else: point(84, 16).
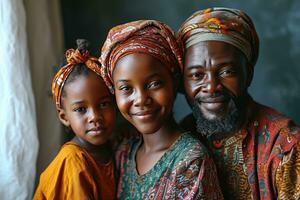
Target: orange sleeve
point(67, 177)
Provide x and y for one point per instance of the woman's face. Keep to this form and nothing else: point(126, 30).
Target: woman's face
point(144, 91)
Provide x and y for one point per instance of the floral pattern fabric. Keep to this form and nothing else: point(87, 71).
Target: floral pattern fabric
point(263, 156)
point(185, 171)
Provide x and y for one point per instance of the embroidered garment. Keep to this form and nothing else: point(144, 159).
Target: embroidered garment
point(185, 171)
point(263, 156)
point(75, 174)
point(228, 156)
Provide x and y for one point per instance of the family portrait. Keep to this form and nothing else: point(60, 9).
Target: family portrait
point(194, 100)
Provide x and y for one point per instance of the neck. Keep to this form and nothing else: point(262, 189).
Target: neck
point(161, 139)
point(101, 153)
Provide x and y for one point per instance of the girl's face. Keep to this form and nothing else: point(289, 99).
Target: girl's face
point(88, 108)
point(144, 91)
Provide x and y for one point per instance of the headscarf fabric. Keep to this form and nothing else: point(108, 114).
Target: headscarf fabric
point(73, 57)
point(222, 24)
point(144, 36)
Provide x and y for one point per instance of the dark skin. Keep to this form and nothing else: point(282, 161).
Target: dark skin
point(211, 68)
point(145, 92)
point(88, 108)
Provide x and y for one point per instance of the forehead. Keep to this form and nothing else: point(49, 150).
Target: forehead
point(138, 65)
point(87, 85)
point(214, 52)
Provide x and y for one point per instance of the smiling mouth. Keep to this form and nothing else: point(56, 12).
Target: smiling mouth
point(145, 115)
point(213, 104)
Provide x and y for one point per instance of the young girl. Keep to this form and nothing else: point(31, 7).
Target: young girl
point(84, 167)
point(141, 64)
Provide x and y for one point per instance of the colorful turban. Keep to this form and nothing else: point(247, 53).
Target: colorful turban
point(73, 56)
point(144, 36)
point(222, 24)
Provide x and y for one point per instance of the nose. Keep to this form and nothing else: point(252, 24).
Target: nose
point(142, 98)
point(211, 84)
point(95, 116)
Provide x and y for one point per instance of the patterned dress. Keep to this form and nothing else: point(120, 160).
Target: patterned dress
point(185, 171)
point(260, 161)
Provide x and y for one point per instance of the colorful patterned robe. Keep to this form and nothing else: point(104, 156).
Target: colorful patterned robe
point(262, 160)
point(185, 171)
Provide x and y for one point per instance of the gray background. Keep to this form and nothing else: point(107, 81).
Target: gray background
point(277, 72)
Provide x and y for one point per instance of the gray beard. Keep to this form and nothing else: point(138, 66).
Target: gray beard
point(216, 128)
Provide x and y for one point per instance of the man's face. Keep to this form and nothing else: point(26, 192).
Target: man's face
point(215, 81)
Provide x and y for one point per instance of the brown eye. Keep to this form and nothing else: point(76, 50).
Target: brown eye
point(80, 109)
point(196, 75)
point(154, 84)
point(227, 73)
point(125, 88)
point(104, 104)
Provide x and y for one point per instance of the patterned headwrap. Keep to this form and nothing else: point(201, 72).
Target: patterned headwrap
point(73, 56)
point(222, 24)
point(143, 36)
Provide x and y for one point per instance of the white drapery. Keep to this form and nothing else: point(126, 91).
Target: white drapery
point(18, 130)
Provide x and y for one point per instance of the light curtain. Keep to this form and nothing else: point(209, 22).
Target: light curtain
point(18, 130)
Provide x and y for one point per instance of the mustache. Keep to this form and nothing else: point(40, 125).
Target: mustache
point(215, 97)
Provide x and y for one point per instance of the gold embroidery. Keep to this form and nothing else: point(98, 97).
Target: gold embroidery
point(287, 177)
point(231, 167)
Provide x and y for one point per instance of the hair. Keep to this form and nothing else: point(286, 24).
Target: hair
point(79, 69)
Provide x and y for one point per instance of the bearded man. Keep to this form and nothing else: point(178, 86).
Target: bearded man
point(256, 149)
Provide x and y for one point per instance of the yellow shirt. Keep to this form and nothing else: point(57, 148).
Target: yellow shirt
point(75, 174)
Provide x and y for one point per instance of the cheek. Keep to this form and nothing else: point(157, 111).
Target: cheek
point(235, 86)
point(165, 98)
point(190, 88)
point(123, 103)
point(76, 123)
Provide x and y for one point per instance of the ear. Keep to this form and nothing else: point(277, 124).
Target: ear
point(63, 117)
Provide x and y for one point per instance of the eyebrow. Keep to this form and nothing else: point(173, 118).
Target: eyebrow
point(77, 102)
point(153, 75)
point(194, 67)
point(122, 80)
point(149, 77)
point(191, 67)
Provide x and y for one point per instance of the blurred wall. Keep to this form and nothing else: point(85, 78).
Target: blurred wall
point(277, 73)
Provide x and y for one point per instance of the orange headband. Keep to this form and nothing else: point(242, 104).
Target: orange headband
point(73, 57)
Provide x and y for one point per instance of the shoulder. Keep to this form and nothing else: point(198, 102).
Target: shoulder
point(128, 143)
point(69, 155)
point(190, 149)
point(274, 129)
point(267, 116)
point(125, 148)
point(70, 160)
point(72, 152)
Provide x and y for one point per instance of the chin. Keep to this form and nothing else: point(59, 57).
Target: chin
point(216, 123)
point(213, 116)
point(99, 141)
point(147, 130)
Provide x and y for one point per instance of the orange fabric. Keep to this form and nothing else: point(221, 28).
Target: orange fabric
point(73, 56)
point(75, 174)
